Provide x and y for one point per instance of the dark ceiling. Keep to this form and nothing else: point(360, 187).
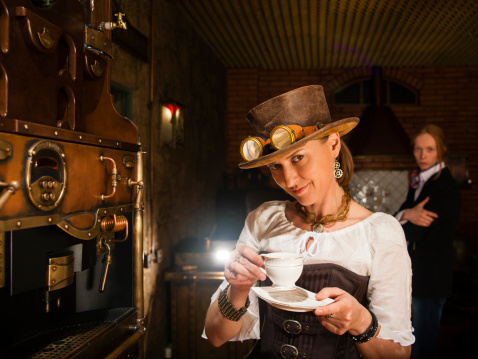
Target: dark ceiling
point(304, 34)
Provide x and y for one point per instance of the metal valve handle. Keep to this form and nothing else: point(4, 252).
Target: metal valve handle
point(10, 189)
point(119, 24)
point(114, 177)
point(107, 260)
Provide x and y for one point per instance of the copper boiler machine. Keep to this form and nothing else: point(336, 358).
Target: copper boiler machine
point(71, 187)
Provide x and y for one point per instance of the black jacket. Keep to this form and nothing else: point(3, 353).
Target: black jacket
point(431, 248)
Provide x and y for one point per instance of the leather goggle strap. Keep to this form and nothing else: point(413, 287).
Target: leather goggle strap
point(301, 132)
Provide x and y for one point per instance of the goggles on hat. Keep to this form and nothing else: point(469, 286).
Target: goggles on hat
point(281, 137)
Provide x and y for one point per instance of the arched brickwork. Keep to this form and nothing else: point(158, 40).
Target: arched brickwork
point(394, 73)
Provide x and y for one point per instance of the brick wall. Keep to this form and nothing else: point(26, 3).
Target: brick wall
point(447, 97)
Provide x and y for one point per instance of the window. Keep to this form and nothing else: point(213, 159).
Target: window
point(361, 93)
point(123, 99)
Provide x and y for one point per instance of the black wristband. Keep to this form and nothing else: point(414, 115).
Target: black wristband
point(228, 310)
point(367, 334)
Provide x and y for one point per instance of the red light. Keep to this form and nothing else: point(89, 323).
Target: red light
point(172, 108)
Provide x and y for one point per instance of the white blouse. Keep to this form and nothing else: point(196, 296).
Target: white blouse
point(374, 247)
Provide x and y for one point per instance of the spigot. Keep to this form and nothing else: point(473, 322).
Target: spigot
point(139, 194)
point(107, 260)
point(119, 24)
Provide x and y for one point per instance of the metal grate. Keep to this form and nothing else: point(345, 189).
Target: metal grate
point(73, 339)
point(71, 336)
point(297, 34)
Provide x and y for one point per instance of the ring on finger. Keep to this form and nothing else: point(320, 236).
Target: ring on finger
point(237, 257)
point(329, 316)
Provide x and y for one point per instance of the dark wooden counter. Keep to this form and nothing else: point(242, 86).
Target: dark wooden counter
point(191, 293)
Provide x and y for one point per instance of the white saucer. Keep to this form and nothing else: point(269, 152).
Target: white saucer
point(292, 299)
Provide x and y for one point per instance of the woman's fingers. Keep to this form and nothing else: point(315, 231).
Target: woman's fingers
point(251, 261)
point(242, 267)
point(329, 292)
point(236, 276)
point(250, 255)
point(328, 311)
point(344, 314)
point(253, 269)
point(427, 218)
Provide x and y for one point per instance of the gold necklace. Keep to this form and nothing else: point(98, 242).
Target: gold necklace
point(318, 225)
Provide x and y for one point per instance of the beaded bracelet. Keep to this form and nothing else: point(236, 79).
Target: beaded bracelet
point(228, 310)
point(367, 334)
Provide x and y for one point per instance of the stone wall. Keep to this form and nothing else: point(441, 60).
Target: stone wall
point(181, 183)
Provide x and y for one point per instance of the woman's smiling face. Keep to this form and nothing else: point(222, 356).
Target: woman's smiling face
point(307, 173)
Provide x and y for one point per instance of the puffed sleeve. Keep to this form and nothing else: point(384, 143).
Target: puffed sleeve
point(389, 290)
point(250, 328)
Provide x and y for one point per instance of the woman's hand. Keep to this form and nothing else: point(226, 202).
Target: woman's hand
point(243, 268)
point(419, 216)
point(346, 314)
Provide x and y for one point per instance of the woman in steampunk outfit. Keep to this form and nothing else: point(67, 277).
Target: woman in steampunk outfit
point(354, 256)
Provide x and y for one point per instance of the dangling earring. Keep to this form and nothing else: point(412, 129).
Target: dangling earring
point(338, 173)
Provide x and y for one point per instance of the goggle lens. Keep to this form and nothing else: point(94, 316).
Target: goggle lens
point(251, 149)
point(282, 137)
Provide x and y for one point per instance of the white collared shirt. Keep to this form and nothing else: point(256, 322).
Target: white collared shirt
point(424, 177)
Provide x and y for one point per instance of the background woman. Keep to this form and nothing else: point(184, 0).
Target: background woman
point(430, 218)
point(351, 255)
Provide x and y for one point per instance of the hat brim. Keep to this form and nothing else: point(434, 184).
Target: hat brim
point(342, 127)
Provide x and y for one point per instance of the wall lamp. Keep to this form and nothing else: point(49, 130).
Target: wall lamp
point(172, 123)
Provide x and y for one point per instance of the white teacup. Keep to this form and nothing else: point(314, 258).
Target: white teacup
point(283, 269)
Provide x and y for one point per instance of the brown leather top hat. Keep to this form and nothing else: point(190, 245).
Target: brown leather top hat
point(287, 122)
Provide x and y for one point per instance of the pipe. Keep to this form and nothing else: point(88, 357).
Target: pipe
point(138, 251)
point(151, 129)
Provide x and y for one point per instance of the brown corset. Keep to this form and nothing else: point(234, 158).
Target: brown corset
point(292, 335)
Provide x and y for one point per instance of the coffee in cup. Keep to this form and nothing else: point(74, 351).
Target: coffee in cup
point(283, 269)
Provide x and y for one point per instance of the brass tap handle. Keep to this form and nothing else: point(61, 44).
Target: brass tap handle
point(139, 195)
point(10, 189)
point(132, 183)
point(119, 24)
point(107, 260)
point(114, 177)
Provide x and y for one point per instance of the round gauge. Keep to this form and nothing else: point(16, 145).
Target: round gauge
point(45, 175)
